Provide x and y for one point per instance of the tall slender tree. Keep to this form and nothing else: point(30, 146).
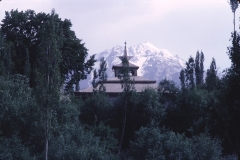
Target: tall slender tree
point(197, 69)
point(47, 72)
point(234, 53)
point(230, 98)
point(100, 77)
point(201, 68)
point(127, 86)
point(182, 79)
point(189, 72)
point(234, 6)
point(211, 78)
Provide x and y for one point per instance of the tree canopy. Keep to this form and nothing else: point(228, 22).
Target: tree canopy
point(39, 53)
point(28, 33)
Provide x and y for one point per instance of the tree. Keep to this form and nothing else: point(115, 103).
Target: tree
point(229, 98)
point(153, 112)
point(47, 72)
point(156, 143)
point(211, 78)
point(23, 30)
point(20, 119)
point(234, 6)
point(168, 93)
point(128, 89)
point(46, 51)
point(74, 139)
point(197, 69)
point(126, 82)
point(189, 73)
point(100, 77)
point(182, 80)
point(201, 68)
point(233, 52)
point(5, 56)
point(12, 148)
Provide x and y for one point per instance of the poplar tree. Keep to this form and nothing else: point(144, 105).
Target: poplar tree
point(231, 95)
point(201, 68)
point(234, 53)
point(211, 78)
point(234, 6)
point(128, 88)
point(182, 80)
point(189, 72)
point(100, 77)
point(197, 69)
point(47, 73)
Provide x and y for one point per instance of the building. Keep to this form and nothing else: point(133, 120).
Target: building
point(113, 85)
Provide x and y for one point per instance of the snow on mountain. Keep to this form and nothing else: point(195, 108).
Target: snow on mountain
point(154, 63)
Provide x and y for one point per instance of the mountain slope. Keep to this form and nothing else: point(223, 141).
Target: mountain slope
point(153, 63)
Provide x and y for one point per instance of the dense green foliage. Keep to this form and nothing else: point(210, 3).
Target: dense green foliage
point(31, 36)
point(38, 120)
point(100, 77)
point(152, 143)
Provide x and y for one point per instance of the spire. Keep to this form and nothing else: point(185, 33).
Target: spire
point(125, 50)
point(125, 53)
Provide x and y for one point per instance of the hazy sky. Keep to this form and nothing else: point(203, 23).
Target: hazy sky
point(180, 26)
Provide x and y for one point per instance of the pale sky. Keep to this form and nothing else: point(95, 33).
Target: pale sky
point(180, 26)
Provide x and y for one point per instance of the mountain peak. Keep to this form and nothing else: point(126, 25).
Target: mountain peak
point(147, 46)
point(154, 63)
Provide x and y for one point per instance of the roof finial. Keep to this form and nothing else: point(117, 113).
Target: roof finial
point(125, 53)
point(125, 50)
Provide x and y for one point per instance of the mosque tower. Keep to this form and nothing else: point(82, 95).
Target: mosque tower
point(117, 69)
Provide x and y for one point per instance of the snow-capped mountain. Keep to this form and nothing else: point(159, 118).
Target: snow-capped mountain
point(154, 63)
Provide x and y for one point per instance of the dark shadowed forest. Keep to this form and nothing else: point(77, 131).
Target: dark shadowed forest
point(41, 64)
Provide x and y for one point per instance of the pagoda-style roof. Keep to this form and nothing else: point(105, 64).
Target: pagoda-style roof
point(120, 65)
point(114, 86)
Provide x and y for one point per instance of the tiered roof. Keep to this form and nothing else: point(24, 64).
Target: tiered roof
point(113, 85)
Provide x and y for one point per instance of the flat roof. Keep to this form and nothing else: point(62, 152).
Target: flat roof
point(113, 85)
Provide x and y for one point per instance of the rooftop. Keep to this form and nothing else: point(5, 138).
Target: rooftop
point(121, 65)
point(113, 85)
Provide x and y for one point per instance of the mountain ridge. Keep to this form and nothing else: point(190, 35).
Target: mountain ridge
point(154, 63)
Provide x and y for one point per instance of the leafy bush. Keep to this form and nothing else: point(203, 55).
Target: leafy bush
point(153, 143)
point(12, 148)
